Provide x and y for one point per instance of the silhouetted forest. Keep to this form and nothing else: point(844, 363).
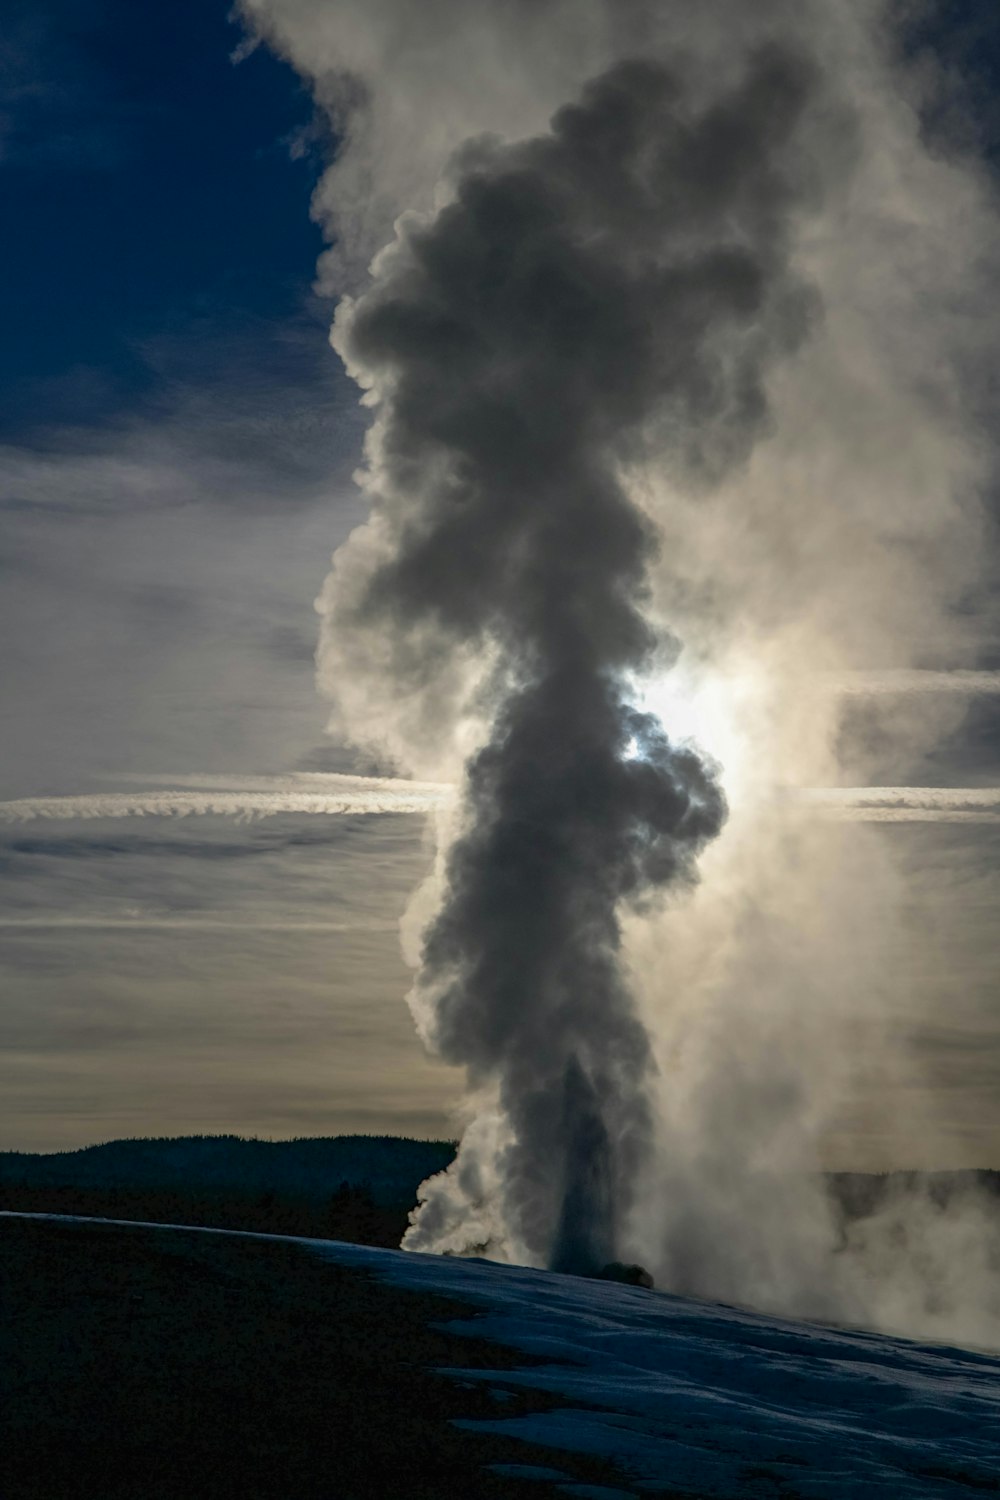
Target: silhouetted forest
point(855, 1195)
point(355, 1188)
point(349, 1213)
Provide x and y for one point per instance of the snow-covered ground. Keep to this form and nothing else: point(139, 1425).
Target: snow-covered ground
point(683, 1398)
point(697, 1398)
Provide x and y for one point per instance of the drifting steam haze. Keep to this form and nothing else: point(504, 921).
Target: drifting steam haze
point(675, 339)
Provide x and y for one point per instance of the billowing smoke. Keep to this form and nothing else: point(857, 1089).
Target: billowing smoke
point(679, 386)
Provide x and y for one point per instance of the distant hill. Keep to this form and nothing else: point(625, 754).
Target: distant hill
point(359, 1188)
point(389, 1167)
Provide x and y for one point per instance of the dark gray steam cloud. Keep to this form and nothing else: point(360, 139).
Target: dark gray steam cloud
point(619, 282)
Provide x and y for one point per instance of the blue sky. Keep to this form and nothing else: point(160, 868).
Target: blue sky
point(156, 188)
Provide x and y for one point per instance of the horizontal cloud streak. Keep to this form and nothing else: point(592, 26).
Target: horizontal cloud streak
point(269, 796)
point(351, 795)
point(249, 924)
point(333, 782)
point(903, 804)
point(905, 681)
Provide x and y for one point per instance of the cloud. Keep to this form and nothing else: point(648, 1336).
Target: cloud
point(191, 925)
point(905, 681)
point(320, 794)
point(157, 574)
point(179, 975)
point(354, 796)
point(284, 781)
point(898, 804)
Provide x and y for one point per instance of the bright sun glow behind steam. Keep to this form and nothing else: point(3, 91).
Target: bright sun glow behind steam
point(714, 711)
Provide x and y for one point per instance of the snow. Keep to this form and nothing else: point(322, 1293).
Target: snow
point(526, 1471)
point(689, 1397)
point(568, 1486)
point(693, 1396)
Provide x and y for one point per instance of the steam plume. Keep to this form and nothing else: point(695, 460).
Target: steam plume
point(818, 504)
point(623, 274)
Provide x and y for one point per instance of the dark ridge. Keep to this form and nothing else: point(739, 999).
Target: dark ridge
point(389, 1166)
point(361, 1189)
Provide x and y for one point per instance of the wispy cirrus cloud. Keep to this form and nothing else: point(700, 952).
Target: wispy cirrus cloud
point(158, 574)
point(902, 804)
point(318, 795)
point(903, 682)
point(191, 925)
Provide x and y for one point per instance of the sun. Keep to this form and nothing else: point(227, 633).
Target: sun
point(714, 710)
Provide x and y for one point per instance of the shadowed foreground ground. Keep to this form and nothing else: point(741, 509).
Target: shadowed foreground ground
point(146, 1362)
point(143, 1362)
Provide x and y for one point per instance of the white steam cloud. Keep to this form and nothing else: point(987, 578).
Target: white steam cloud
point(843, 540)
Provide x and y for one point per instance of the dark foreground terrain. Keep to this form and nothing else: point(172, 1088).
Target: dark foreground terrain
point(144, 1361)
point(138, 1362)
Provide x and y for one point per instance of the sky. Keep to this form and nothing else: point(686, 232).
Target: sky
point(177, 445)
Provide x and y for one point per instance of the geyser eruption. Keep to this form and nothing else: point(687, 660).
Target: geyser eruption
point(614, 311)
point(616, 285)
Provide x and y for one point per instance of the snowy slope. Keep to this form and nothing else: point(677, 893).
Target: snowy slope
point(677, 1397)
point(697, 1398)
